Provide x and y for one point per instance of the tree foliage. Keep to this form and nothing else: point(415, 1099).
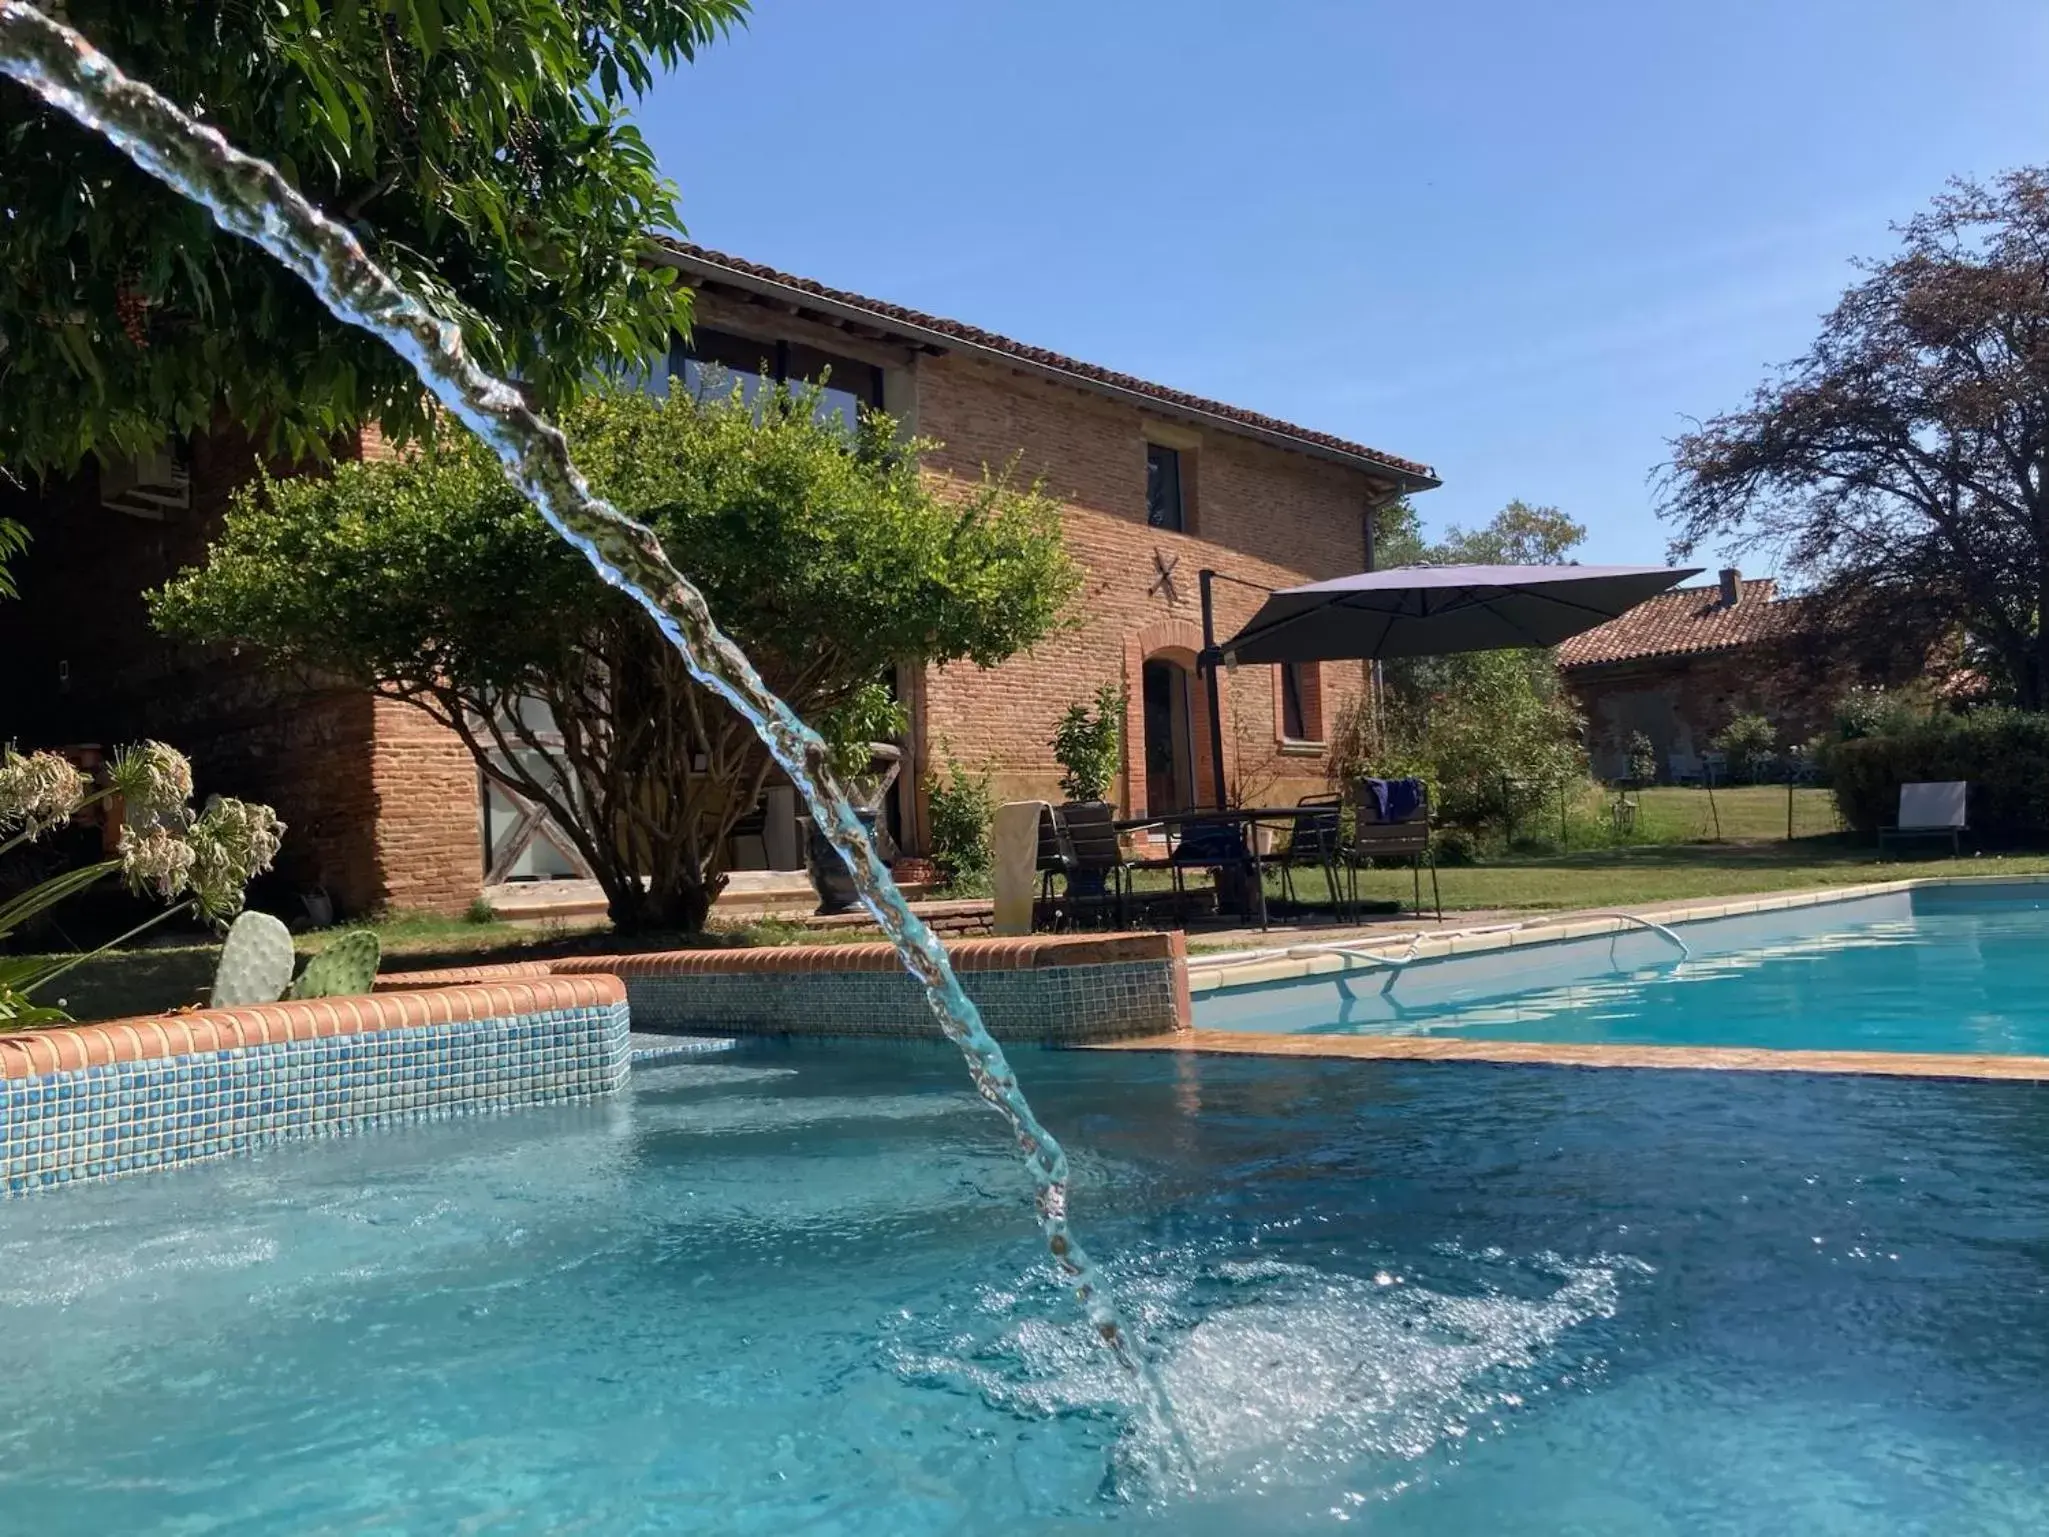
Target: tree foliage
point(1492, 732)
point(1901, 466)
point(480, 150)
point(830, 558)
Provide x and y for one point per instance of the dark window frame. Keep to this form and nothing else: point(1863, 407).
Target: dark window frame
point(1166, 489)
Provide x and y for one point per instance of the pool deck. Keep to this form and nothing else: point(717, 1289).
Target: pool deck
point(1725, 1059)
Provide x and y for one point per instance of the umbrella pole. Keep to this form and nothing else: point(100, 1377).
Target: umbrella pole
point(1208, 664)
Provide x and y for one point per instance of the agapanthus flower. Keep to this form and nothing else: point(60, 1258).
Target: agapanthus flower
point(155, 782)
point(232, 843)
point(155, 859)
point(38, 792)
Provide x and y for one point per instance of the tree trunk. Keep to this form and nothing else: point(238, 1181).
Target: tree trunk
point(678, 906)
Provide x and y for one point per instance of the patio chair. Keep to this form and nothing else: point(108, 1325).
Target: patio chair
point(1093, 860)
point(1220, 846)
point(1313, 835)
point(1933, 810)
point(1714, 768)
point(1402, 832)
point(1047, 912)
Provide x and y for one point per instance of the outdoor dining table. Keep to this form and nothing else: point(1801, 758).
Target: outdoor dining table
point(1251, 900)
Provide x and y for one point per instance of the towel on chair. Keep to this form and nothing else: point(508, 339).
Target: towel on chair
point(1401, 799)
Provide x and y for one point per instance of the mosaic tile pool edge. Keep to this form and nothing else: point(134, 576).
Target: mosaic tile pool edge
point(122, 1117)
point(1066, 1005)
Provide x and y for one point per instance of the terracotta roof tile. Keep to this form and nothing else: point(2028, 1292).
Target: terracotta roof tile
point(706, 261)
point(1687, 622)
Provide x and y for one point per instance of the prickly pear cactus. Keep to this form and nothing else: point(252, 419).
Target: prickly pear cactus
point(345, 968)
point(256, 962)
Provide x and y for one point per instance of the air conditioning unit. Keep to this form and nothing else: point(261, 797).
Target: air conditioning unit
point(153, 486)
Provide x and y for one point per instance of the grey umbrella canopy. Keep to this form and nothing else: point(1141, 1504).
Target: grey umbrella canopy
point(1439, 610)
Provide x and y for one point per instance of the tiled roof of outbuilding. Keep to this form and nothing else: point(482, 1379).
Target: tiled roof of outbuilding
point(1687, 622)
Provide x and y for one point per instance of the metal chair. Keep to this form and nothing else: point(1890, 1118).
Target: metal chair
point(1052, 862)
point(1218, 846)
point(1373, 838)
point(1313, 836)
point(1093, 859)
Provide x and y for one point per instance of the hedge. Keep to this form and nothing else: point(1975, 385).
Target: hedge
point(2004, 754)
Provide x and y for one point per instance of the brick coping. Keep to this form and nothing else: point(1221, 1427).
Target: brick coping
point(1207, 975)
point(1739, 1059)
point(31, 1053)
point(1033, 953)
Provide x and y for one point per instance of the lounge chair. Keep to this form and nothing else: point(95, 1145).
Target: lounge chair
point(1401, 836)
point(1931, 810)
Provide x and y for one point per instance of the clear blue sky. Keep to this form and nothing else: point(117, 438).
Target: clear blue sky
point(1519, 242)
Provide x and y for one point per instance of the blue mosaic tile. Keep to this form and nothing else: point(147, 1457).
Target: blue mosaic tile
point(124, 1117)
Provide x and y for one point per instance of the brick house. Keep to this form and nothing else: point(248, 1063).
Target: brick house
point(1681, 666)
point(386, 807)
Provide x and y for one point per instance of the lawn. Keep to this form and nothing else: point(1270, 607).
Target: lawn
point(1668, 857)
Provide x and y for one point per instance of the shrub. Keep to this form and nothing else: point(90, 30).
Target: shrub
point(2004, 754)
point(1746, 739)
point(963, 805)
point(1087, 745)
point(1643, 758)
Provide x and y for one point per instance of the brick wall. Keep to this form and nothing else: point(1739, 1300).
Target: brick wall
point(1683, 703)
point(377, 814)
point(1263, 515)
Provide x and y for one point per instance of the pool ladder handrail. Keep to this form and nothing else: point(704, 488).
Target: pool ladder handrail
point(1685, 950)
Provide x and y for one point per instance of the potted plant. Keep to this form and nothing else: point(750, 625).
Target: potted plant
point(1088, 745)
point(866, 766)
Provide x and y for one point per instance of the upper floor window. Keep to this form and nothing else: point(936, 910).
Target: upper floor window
point(1163, 504)
point(1301, 702)
point(714, 362)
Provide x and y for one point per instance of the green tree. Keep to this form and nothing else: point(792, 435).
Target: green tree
point(481, 151)
point(1900, 468)
point(1492, 731)
point(830, 557)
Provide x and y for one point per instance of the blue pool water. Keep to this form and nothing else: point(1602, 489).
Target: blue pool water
point(1942, 970)
point(798, 1290)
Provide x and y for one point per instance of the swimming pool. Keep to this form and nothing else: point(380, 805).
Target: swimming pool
point(796, 1289)
point(1938, 969)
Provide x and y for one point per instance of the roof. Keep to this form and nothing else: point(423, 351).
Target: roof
point(942, 335)
point(1689, 622)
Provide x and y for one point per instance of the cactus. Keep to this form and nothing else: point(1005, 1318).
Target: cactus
point(255, 964)
point(344, 968)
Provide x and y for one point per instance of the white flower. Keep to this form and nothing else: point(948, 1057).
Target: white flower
point(155, 858)
point(38, 792)
point(232, 843)
point(155, 782)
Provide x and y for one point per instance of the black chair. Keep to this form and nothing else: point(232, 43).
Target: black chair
point(1218, 846)
point(1047, 912)
point(1098, 878)
point(1376, 837)
point(1313, 838)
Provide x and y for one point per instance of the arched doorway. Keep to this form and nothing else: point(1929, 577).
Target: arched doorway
point(1169, 739)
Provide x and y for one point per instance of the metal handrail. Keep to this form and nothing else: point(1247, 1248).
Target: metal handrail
point(1685, 950)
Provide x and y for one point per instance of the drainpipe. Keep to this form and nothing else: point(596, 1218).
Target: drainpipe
point(1374, 506)
point(1208, 663)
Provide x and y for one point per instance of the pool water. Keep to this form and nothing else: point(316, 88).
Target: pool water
point(1942, 971)
point(798, 1290)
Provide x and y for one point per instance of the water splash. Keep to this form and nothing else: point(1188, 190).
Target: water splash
point(248, 197)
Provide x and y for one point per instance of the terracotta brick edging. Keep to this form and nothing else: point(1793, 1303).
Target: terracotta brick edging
point(30, 1053)
point(1034, 953)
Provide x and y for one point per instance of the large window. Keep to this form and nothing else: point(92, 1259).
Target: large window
point(1163, 505)
point(714, 362)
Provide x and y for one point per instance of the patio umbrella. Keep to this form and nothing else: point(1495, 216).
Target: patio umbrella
point(1439, 610)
